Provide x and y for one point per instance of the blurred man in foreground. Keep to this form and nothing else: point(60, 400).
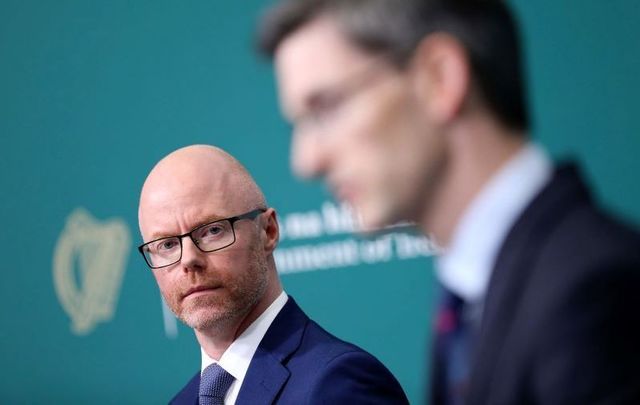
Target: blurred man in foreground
point(415, 110)
point(209, 238)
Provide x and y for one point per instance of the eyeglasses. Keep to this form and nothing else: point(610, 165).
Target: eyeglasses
point(326, 105)
point(208, 237)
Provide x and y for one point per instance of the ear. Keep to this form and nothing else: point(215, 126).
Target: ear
point(271, 230)
point(440, 66)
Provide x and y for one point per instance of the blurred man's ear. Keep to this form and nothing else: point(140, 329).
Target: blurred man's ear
point(440, 66)
point(271, 230)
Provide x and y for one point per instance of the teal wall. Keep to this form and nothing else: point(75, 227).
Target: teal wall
point(93, 93)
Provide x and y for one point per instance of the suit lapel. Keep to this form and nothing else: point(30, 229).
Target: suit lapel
point(189, 394)
point(267, 375)
point(514, 267)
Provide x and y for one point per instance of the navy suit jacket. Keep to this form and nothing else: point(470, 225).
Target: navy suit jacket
point(561, 320)
point(298, 362)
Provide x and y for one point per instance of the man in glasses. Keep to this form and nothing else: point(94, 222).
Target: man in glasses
point(414, 110)
point(209, 239)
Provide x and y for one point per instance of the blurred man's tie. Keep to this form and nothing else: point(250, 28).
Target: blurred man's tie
point(452, 351)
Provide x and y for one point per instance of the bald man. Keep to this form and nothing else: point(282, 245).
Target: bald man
point(209, 240)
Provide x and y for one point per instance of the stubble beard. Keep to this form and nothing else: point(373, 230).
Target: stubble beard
point(216, 312)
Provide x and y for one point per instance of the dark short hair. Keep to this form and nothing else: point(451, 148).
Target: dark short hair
point(394, 28)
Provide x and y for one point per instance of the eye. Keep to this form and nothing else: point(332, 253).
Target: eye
point(212, 231)
point(324, 107)
point(165, 245)
point(321, 109)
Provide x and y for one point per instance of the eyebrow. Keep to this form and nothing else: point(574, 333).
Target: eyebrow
point(162, 235)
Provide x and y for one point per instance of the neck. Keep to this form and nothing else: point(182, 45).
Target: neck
point(478, 148)
point(215, 341)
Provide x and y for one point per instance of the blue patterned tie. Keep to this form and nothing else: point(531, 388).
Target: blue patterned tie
point(214, 383)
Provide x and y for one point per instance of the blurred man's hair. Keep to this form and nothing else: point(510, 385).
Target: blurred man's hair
point(394, 28)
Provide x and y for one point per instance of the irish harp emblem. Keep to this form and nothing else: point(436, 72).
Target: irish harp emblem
point(88, 266)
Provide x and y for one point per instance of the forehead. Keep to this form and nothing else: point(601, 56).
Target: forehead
point(174, 205)
point(314, 56)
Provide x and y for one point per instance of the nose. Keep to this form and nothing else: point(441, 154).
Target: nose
point(309, 157)
point(193, 259)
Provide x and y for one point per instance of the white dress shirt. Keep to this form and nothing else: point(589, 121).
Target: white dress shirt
point(236, 359)
point(465, 267)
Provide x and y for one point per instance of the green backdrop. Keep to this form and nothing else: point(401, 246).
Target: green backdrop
point(93, 93)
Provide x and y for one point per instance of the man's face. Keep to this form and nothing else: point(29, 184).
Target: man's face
point(205, 290)
point(358, 123)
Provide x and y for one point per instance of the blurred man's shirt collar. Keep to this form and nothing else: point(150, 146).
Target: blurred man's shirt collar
point(236, 359)
point(466, 265)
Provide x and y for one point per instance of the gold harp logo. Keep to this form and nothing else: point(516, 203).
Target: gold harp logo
point(88, 266)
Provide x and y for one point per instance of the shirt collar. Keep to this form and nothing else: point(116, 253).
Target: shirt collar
point(236, 359)
point(465, 267)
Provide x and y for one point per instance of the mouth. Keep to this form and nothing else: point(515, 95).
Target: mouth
point(200, 290)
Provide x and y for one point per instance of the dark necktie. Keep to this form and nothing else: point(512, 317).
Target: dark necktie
point(453, 335)
point(214, 383)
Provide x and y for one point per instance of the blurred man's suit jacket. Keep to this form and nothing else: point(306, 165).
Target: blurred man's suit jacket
point(561, 319)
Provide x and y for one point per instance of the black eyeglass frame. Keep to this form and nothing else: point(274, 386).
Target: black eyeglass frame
point(232, 220)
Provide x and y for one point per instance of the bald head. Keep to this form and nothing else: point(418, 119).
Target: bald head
point(194, 179)
point(222, 277)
